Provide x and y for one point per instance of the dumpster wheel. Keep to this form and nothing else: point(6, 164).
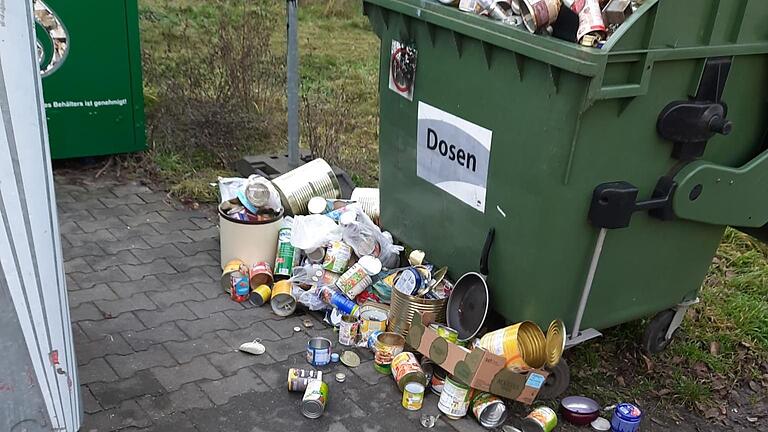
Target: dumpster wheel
point(557, 381)
point(655, 338)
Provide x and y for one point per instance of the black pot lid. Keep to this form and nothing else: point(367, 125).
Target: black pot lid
point(468, 305)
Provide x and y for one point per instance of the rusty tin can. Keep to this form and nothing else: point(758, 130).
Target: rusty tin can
point(299, 378)
point(538, 14)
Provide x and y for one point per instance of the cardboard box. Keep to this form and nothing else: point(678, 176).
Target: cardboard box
point(476, 368)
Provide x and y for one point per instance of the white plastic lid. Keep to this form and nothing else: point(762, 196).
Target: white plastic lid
point(370, 264)
point(316, 205)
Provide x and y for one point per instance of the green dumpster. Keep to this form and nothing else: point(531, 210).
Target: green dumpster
point(632, 158)
point(90, 62)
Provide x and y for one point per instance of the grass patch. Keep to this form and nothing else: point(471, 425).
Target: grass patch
point(722, 345)
point(214, 87)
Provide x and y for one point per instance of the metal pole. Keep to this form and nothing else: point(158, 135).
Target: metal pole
point(292, 85)
point(588, 284)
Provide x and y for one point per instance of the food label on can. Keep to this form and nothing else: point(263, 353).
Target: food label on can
point(348, 332)
point(285, 253)
point(453, 154)
point(354, 281)
point(337, 257)
point(454, 399)
point(403, 364)
point(544, 417)
point(482, 401)
point(408, 281)
point(413, 400)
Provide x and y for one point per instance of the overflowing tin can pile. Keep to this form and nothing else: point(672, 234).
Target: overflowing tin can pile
point(294, 243)
point(588, 22)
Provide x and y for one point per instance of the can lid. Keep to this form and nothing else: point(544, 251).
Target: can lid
point(601, 424)
point(555, 342)
point(350, 359)
point(312, 408)
point(414, 387)
point(316, 205)
point(370, 264)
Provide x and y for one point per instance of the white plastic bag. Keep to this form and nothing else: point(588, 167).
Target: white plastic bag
point(366, 238)
point(314, 231)
point(228, 187)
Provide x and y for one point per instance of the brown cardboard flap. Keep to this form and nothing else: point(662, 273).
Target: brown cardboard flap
point(476, 368)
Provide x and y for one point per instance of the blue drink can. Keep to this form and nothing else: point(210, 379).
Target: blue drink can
point(343, 303)
point(626, 418)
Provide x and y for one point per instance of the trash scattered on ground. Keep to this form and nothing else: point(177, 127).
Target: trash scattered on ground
point(601, 424)
point(331, 256)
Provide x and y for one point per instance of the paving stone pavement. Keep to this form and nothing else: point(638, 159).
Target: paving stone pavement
point(156, 339)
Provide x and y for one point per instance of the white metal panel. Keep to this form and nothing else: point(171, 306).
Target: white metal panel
point(30, 249)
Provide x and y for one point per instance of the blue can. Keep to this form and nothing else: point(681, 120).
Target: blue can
point(626, 418)
point(343, 303)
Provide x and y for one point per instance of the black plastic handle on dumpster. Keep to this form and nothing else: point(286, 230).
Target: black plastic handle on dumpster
point(486, 251)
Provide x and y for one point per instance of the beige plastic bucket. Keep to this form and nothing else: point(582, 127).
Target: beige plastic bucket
point(250, 242)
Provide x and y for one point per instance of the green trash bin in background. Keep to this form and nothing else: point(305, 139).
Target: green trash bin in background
point(486, 126)
point(90, 61)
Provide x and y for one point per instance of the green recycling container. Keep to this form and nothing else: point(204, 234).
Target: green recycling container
point(486, 126)
point(90, 62)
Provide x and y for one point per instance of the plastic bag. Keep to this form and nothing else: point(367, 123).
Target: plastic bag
point(261, 194)
point(228, 187)
point(366, 238)
point(309, 298)
point(314, 231)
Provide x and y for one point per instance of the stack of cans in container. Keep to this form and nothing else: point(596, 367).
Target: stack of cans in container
point(594, 20)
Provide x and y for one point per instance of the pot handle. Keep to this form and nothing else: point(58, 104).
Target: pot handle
point(486, 251)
